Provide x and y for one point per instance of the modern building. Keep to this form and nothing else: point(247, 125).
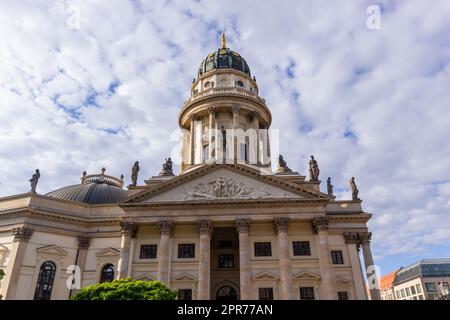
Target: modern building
point(387, 286)
point(423, 280)
point(225, 227)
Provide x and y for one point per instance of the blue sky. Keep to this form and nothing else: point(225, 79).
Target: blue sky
point(87, 84)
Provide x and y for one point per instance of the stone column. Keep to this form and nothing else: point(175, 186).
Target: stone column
point(126, 229)
point(166, 229)
point(212, 120)
point(255, 125)
point(281, 228)
point(351, 239)
point(83, 246)
point(235, 110)
point(192, 134)
point(320, 226)
point(368, 261)
point(12, 271)
point(204, 269)
point(243, 228)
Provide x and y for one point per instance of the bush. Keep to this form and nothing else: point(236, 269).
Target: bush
point(126, 289)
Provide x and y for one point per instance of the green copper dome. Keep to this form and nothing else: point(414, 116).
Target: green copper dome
point(223, 58)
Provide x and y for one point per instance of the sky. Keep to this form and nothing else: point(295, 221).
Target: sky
point(86, 84)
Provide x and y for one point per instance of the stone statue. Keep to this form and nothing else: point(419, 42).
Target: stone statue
point(282, 165)
point(34, 180)
point(167, 168)
point(329, 187)
point(134, 173)
point(354, 189)
point(313, 170)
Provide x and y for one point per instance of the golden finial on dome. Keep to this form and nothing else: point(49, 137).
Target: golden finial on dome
point(224, 41)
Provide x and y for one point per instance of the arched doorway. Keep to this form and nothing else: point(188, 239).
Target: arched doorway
point(226, 293)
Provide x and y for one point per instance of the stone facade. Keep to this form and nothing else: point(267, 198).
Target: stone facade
point(228, 229)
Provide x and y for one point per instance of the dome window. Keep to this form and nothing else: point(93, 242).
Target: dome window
point(239, 83)
point(209, 84)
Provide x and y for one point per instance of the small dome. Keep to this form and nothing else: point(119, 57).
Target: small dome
point(94, 189)
point(224, 58)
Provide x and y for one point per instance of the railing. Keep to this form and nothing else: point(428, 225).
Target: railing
point(225, 90)
point(102, 178)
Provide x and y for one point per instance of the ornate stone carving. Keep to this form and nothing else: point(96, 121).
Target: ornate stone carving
point(227, 188)
point(166, 227)
point(255, 115)
point(365, 237)
point(212, 110)
point(313, 170)
point(351, 237)
point(235, 109)
point(22, 233)
point(167, 168)
point(281, 224)
point(204, 227)
point(242, 225)
point(329, 187)
point(83, 242)
point(34, 180)
point(354, 189)
point(282, 166)
point(320, 224)
point(128, 228)
point(134, 173)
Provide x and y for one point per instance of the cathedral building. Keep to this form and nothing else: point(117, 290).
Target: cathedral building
point(225, 227)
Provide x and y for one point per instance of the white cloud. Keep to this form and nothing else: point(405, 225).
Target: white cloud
point(369, 104)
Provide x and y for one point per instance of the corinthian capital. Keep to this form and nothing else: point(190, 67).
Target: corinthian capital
point(242, 225)
point(22, 233)
point(212, 110)
point(320, 224)
point(128, 228)
point(83, 242)
point(365, 237)
point(351, 237)
point(166, 227)
point(204, 226)
point(235, 109)
point(281, 224)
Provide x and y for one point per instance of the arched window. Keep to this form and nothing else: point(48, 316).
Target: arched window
point(107, 273)
point(205, 153)
point(45, 281)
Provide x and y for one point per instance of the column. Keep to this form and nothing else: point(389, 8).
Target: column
point(12, 272)
point(212, 126)
point(235, 110)
point(281, 228)
point(166, 229)
point(204, 269)
point(255, 125)
point(351, 239)
point(126, 229)
point(328, 281)
point(192, 146)
point(83, 246)
point(370, 266)
point(243, 228)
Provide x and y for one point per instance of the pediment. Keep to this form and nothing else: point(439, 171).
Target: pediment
point(185, 277)
point(146, 277)
point(341, 280)
point(224, 183)
point(52, 249)
point(265, 276)
point(108, 252)
point(306, 275)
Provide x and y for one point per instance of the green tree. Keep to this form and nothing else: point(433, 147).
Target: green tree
point(2, 274)
point(126, 289)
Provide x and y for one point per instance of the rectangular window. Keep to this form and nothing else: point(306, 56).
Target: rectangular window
point(265, 293)
point(398, 294)
point(420, 297)
point(343, 295)
point(336, 257)
point(148, 251)
point(263, 249)
point(226, 261)
point(419, 288)
point(186, 250)
point(301, 248)
point(431, 287)
point(413, 290)
point(403, 293)
point(408, 293)
point(307, 293)
point(185, 294)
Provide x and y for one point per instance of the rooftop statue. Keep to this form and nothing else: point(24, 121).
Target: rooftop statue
point(354, 189)
point(134, 173)
point(313, 170)
point(167, 169)
point(329, 187)
point(282, 165)
point(34, 180)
